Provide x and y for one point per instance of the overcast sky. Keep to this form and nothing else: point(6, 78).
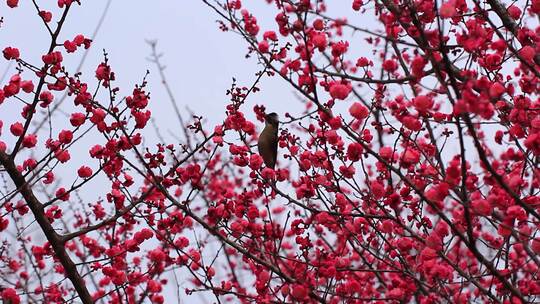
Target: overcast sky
point(201, 60)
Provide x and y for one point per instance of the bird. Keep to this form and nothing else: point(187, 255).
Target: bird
point(268, 140)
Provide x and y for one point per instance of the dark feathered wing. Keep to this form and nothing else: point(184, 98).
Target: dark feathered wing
point(267, 145)
point(274, 151)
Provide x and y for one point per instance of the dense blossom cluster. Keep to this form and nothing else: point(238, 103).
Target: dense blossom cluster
point(410, 174)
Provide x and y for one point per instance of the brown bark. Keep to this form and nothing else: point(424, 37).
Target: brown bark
point(54, 239)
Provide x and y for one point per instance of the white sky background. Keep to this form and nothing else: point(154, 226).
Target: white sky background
point(200, 59)
point(201, 62)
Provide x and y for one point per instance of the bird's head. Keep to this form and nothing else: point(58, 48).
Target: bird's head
point(272, 119)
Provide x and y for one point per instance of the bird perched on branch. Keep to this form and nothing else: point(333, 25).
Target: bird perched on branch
point(268, 140)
